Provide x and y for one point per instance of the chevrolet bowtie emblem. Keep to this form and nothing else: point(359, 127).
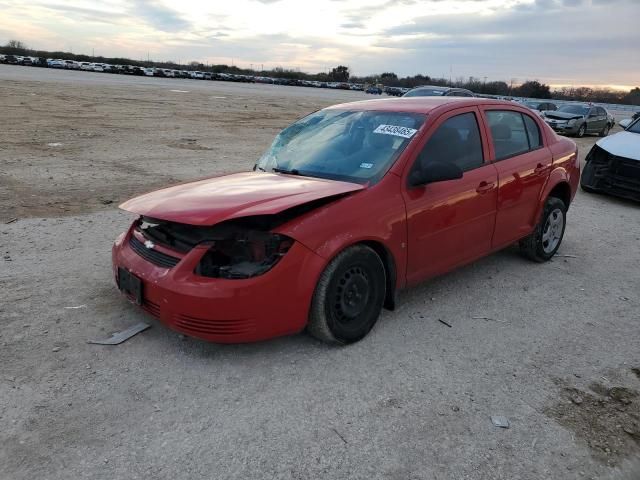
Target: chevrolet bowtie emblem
point(149, 244)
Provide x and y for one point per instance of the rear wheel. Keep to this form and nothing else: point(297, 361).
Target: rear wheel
point(545, 240)
point(605, 131)
point(348, 297)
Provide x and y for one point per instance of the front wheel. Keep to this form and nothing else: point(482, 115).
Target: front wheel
point(545, 240)
point(348, 297)
point(582, 130)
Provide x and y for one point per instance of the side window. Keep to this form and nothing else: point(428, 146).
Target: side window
point(508, 133)
point(456, 141)
point(533, 132)
point(602, 112)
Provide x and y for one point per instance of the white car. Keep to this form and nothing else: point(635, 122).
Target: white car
point(71, 64)
point(148, 72)
point(198, 75)
point(613, 164)
point(86, 66)
point(55, 63)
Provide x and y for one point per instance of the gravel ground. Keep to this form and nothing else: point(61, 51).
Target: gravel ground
point(553, 347)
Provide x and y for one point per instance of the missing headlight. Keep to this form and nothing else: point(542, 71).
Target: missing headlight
point(245, 254)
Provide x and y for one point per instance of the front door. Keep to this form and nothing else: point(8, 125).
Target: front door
point(451, 222)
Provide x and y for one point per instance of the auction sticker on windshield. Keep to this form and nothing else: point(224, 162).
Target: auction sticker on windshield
point(396, 130)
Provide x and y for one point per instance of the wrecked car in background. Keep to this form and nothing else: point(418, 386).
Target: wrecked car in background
point(347, 206)
point(580, 120)
point(613, 164)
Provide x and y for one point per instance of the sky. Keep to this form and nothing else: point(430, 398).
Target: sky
point(559, 42)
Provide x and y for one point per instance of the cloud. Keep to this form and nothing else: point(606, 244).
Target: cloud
point(86, 13)
point(158, 15)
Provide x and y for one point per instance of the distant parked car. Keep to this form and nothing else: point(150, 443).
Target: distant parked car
point(541, 106)
point(393, 91)
point(71, 64)
point(197, 75)
point(579, 120)
point(55, 63)
point(373, 90)
point(434, 91)
point(613, 164)
point(625, 122)
point(86, 66)
point(11, 59)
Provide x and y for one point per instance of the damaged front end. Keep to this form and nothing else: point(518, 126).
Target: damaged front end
point(612, 174)
point(238, 249)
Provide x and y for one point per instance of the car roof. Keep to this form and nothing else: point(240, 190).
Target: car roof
point(420, 104)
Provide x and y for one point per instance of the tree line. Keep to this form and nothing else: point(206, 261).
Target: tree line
point(341, 73)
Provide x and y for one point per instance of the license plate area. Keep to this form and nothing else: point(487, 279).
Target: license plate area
point(130, 285)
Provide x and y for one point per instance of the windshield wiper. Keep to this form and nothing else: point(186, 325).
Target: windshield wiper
point(293, 171)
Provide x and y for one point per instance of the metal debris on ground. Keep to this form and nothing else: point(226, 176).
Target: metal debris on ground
point(11, 221)
point(55, 144)
point(119, 337)
point(444, 323)
point(500, 421)
point(75, 307)
point(566, 256)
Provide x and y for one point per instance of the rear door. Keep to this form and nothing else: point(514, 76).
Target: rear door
point(523, 164)
point(451, 222)
point(594, 121)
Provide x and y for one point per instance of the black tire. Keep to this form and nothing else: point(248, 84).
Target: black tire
point(605, 130)
point(582, 130)
point(348, 297)
point(535, 247)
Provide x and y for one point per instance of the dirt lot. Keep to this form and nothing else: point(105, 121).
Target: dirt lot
point(558, 353)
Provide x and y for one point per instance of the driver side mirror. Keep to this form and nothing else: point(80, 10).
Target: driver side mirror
point(434, 172)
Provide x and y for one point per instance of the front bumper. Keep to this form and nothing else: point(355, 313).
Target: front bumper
point(564, 128)
point(221, 310)
point(611, 174)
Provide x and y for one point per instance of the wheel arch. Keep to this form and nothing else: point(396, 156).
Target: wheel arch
point(561, 190)
point(389, 269)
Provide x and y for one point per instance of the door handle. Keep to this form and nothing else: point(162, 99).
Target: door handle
point(484, 187)
point(540, 169)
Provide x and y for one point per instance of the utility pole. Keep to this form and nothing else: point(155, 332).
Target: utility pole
point(92, 53)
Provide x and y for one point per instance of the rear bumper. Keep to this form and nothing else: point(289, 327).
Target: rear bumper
point(220, 310)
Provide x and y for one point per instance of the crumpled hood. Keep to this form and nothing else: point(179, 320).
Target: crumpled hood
point(562, 115)
point(622, 144)
point(214, 200)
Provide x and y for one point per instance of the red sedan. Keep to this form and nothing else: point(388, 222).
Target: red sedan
point(347, 206)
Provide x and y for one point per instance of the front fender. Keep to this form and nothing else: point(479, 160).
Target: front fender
point(374, 215)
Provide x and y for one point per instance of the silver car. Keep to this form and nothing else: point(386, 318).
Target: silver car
point(579, 120)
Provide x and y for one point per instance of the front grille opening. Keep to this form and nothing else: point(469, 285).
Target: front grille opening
point(157, 258)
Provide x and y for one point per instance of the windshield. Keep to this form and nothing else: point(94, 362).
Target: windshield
point(424, 92)
point(634, 127)
point(356, 146)
point(533, 105)
point(577, 109)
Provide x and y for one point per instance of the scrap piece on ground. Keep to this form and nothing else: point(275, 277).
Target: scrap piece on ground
point(500, 421)
point(120, 337)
